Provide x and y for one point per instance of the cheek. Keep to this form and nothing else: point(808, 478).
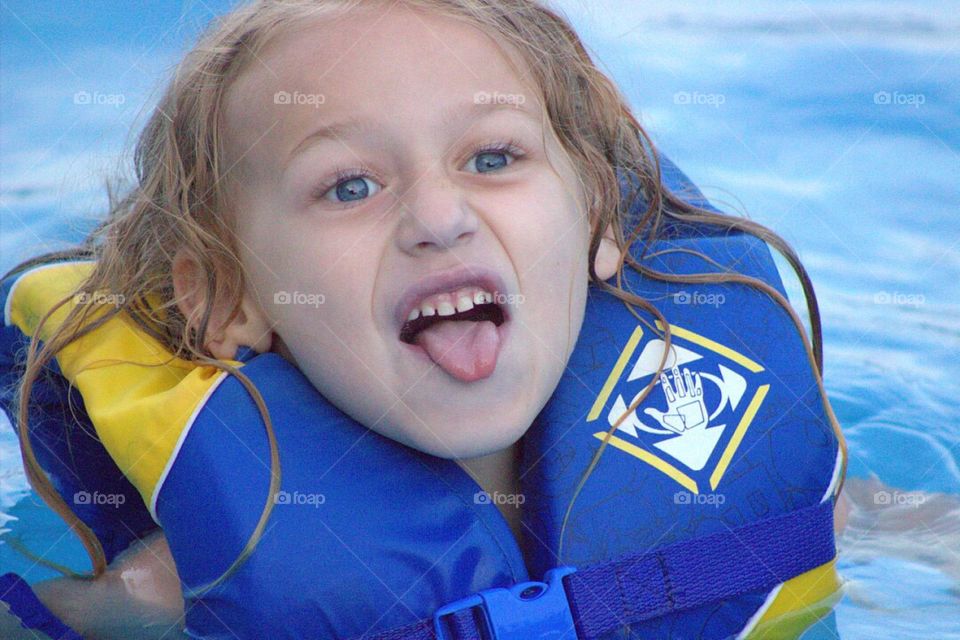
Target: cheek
point(546, 234)
point(299, 276)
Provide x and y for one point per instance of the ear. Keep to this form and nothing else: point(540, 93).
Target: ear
point(608, 255)
point(249, 328)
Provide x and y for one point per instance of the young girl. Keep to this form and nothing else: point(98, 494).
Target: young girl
point(321, 176)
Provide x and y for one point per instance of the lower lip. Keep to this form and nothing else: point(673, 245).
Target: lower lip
point(420, 352)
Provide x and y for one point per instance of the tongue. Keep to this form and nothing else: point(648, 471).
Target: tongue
point(465, 349)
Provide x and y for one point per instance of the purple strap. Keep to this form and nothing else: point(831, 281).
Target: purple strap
point(712, 568)
point(674, 578)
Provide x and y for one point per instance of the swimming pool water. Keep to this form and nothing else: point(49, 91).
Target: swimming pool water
point(835, 123)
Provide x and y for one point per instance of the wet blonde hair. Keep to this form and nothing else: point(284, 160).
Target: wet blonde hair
point(180, 200)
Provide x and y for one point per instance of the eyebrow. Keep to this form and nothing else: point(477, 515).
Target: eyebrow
point(466, 111)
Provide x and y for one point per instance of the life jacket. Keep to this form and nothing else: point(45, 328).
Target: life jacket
point(709, 514)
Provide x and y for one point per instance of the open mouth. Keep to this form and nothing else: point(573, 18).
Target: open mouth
point(480, 312)
point(457, 319)
point(461, 333)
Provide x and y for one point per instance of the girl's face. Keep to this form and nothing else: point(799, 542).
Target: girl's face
point(382, 157)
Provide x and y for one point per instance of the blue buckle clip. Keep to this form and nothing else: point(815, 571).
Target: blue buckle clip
point(525, 611)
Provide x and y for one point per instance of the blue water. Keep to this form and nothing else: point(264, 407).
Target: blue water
point(835, 123)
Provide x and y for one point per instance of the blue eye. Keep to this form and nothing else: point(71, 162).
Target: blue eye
point(493, 158)
point(489, 161)
point(350, 188)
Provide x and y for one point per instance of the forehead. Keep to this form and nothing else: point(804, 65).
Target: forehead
point(364, 64)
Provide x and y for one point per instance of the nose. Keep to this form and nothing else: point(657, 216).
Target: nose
point(435, 215)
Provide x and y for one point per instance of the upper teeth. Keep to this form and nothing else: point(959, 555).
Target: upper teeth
point(447, 304)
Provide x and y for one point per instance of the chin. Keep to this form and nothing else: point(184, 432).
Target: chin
point(469, 443)
point(485, 427)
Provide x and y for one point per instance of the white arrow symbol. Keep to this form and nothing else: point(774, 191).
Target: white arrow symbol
point(732, 387)
point(649, 360)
